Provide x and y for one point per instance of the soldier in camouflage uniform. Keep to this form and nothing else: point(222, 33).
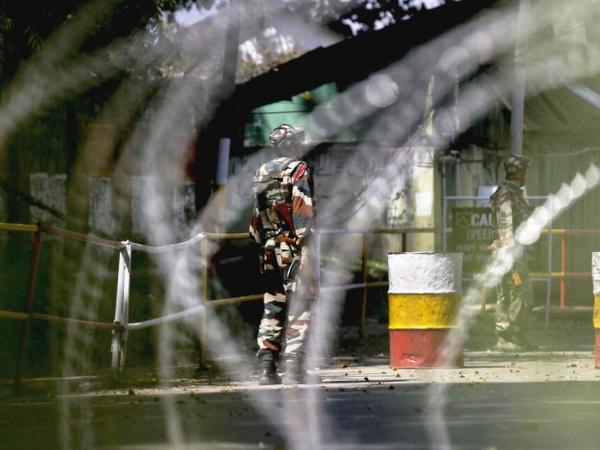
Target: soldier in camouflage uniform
point(514, 293)
point(280, 226)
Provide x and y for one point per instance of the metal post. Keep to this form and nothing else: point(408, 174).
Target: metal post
point(126, 252)
point(365, 276)
point(563, 270)
point(445, 225)
point(518, 93)
point(36, 245)
point(404, 239)
point(517, 113)
point(317, 248)
point(203, 321)
point(223, 161)
point(232, 43)
point(119, 334)
point(549, 278)
point(444, 207)
point(115, 344)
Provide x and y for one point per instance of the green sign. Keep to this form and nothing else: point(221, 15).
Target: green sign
point(472, 233)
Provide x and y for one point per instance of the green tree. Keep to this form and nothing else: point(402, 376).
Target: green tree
point(42, 43)
point(25, 26)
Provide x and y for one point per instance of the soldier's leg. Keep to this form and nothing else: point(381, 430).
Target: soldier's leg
point(271, 324)
point(296, 337)
point(296, 333)
point(502, 296)
point(274, 301)
point(520, 308)
point(518, 303)
point(526, 291)
point(511, 312)
point(271, 327)
point(515, 304)
point(503, 320)
point(301, 289)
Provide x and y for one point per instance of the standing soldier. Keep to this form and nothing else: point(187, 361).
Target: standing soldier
point(281, 226)
point(514, 293)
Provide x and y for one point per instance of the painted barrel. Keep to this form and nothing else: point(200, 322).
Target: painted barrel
point(596, 318)
point(423, 298)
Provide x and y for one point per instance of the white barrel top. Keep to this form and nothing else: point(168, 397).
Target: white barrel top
point(424, 273)
point(596, 272)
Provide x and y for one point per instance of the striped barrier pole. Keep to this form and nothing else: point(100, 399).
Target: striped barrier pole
point(423, 297)
point(596, 319)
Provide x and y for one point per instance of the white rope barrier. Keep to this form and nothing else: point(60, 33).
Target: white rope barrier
point(186, 313)
point(169, 247)
point(200, 308)
point(349, 287)
point(121, 325)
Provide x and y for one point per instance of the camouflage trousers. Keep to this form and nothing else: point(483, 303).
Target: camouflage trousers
point(514, 301)
point(290, 291)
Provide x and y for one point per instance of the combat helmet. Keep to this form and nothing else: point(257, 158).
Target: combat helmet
point(516, 164)
point(285, 136)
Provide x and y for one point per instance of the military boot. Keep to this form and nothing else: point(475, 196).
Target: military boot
point(524, 343)
point(295, 373)
point(504, 345)
point(515, 342)
point(268, 368)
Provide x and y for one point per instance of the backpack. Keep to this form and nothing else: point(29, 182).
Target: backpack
point(272, 198)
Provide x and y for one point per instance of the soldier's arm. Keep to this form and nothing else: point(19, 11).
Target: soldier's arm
point(254, 228)
point(254, 236)
point(302, 201)
point(505, 223)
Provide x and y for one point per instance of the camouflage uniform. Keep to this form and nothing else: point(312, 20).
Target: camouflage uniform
point(514, 293)
point(280, 225)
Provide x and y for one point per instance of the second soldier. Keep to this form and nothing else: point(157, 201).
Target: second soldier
point(514, 293)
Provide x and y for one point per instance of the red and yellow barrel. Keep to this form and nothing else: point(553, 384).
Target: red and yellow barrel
point(596, 318)
point(423, 299)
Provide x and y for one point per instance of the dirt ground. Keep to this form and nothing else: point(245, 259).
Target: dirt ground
point(531, 395)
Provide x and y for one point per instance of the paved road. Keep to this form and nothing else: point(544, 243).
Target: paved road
point(500, 401)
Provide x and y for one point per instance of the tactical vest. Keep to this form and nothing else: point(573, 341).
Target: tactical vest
point(272, 189)
point(510, 192)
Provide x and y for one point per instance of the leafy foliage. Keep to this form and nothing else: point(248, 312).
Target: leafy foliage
point(373, 15)
point(350, 17)
point(270, 50)
point(26, 25)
